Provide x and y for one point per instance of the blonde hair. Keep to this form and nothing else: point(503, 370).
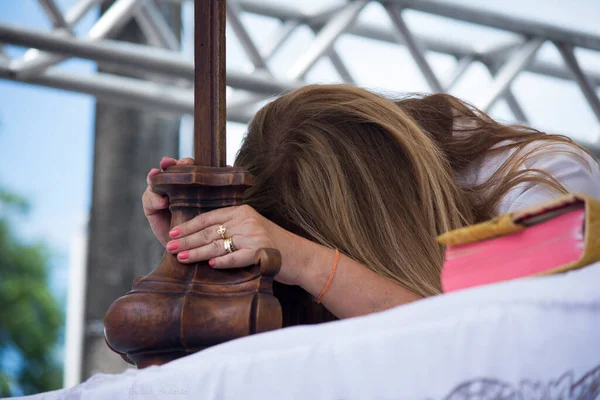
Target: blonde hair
point(377, 178)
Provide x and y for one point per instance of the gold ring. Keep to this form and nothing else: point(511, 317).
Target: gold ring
point(221, 231)
point(228, 244)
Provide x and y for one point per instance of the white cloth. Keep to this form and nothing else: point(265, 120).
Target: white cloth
point(534, 338)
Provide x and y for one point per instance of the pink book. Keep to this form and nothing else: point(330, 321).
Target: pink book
point(537, 241)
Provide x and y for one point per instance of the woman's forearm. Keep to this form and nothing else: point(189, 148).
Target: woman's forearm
point(355, 289)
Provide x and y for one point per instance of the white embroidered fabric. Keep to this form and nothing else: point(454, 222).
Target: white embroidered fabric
point(534, 338)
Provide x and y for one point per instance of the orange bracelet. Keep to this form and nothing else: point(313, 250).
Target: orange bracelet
point(328, 284)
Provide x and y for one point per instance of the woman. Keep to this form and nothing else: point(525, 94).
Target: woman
point(338, 167)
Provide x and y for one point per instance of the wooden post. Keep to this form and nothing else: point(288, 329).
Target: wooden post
point(209, 85)
point(178, 309)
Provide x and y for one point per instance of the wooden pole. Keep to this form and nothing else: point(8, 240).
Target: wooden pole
point(209, 84)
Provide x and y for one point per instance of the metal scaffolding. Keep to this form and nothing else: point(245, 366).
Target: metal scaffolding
point(173, 92)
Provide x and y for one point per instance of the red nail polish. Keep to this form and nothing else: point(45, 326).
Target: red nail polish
point(175, 232)
point(212, 263)
point(184, 255)
point(172, 246)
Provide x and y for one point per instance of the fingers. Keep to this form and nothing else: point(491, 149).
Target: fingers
point(237, 259)
point(213, 250)
point(203, 221)
point(167, 162)
point(186, 161)
point(153, 202)
point(200, 238)
point(153, 172)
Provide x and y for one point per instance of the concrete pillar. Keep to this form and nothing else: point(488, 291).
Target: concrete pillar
point(128, 143)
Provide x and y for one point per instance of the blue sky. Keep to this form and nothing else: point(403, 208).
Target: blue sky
point(46, 147)
point(46, 135)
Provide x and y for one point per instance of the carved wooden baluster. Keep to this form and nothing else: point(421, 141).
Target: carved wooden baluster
point(209, 85)
point(178, 309)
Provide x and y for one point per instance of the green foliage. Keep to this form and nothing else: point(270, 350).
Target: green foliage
point(30, 317)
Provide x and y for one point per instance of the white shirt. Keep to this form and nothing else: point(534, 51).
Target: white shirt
point(577, 173)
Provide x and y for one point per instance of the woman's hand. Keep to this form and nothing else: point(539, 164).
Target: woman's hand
point(356, 290)
point(198, 239)
point(156, 207)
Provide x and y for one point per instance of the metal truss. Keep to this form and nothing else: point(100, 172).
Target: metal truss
point(168, 86)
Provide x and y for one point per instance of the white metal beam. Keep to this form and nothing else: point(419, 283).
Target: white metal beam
point(163, 58)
